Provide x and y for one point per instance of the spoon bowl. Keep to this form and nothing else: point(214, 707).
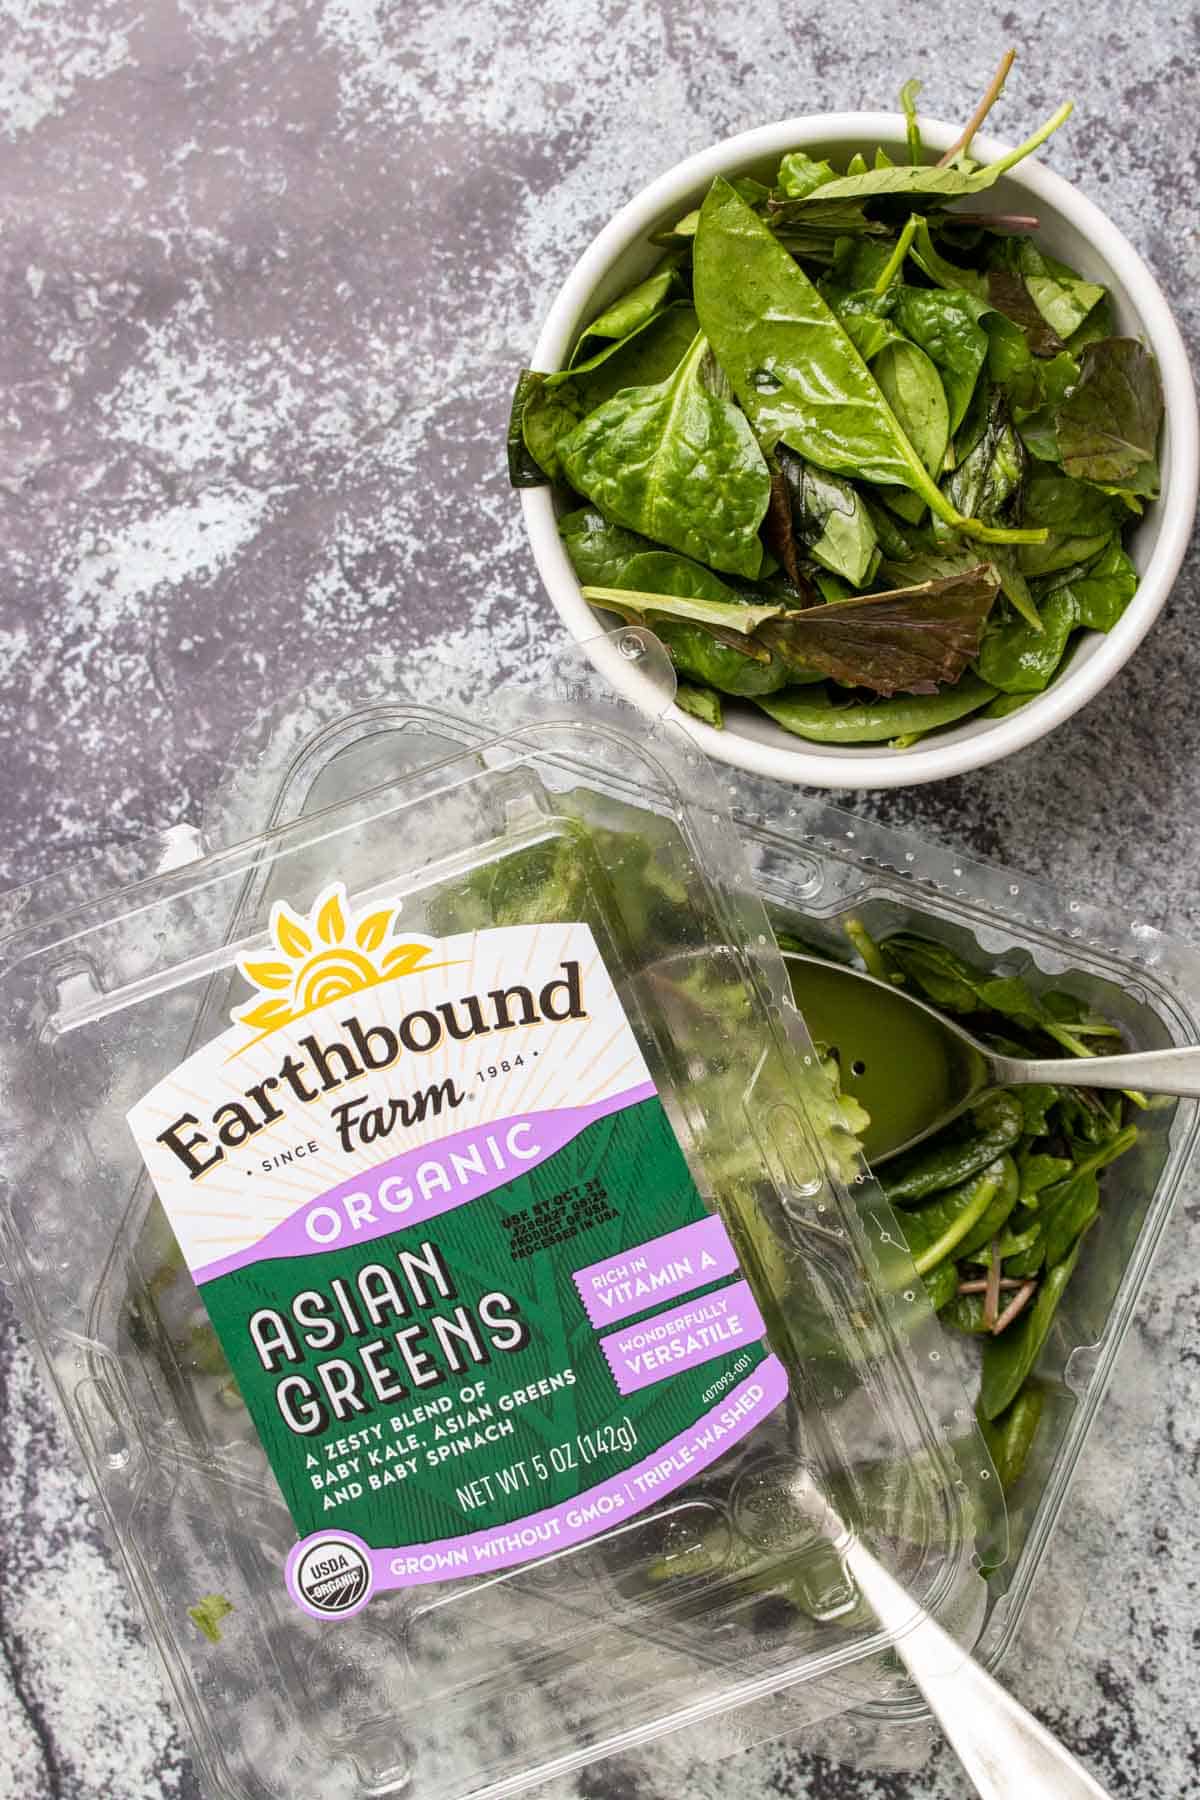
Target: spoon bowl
point(914, 1070)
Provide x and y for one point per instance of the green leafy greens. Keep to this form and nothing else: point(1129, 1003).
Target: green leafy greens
point(904, 438)
point(995, 1206)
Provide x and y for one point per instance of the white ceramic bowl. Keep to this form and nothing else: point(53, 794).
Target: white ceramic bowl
point(1071, 228)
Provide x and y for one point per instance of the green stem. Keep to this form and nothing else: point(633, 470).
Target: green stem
point(895, 261)
point(1100, 1159)
point(1001, 534)
point(1031, 143)
point(957, 1229)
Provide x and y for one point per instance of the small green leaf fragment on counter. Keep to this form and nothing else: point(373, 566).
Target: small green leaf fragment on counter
point(207, 1614)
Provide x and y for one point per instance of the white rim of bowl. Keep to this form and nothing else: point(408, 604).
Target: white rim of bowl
point(935, 761)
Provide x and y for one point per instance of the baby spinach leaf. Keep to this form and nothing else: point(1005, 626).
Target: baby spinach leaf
point(546, 408)
point(906, 505)
point(941, 1285)
point(550, 415)
point(994, 1126)
point(1080, 520)
point(1102, 588)
point(991, 466)
point(699, 653)
point(702, 703)
point(1014, 1244)
point(965, 1313)
point(824, 719)
point(1019, 660)
point(948, 275)
point(599, 550)
point(900, 542)
point(1003, 704)
point(858, 263)
point(648, 353)
point(1058, 552)
point(1066, 1214)
point(1006, 1190)
point(1036, 401)
point(1009, 1438)
point(1108, 425)
point(954, 557)
point(801, 174)
point(818, 217)
point(1063, 298)
point(939, 183)
point(863, 316)
point(631, 311)
point(679, 462)
point(945, 327)
point(829, 517)
point(936, 1230)
point(791, 364)
point(1100, 323)
point(1009, 1358)
point(708, 632)
point(524, 470)
point(913, 390)
point(1036, 1104)
point(1008, 293)
point(1040, 1171)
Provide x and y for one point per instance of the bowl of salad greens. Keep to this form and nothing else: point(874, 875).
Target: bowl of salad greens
point(882, 427)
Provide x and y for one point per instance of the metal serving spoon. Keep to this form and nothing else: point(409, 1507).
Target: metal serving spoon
point(1005, 1751)
point(914, 1069)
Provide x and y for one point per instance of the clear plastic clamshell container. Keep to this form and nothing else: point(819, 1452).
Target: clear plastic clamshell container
point(455, 1268)
point(815, 866)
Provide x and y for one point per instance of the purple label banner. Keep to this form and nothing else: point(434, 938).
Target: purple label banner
point(419, 1184)
point(689, 1334)
point(343, 1585)
point(660, 1269)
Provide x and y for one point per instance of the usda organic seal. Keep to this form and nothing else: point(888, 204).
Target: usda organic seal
point(330, 1574)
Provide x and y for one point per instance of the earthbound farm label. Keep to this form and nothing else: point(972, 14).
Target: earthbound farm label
point(453, 1252)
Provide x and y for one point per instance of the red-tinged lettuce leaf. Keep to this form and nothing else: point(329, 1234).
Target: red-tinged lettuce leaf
point(779, 535)
point(1009, 295)
point(1108, 424)
point(912, 640)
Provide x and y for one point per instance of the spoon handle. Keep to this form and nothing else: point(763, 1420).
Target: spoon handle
point(1005, 1751)
point(1151, 1071)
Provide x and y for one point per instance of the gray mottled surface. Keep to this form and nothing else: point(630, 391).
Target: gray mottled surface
point(265, 271)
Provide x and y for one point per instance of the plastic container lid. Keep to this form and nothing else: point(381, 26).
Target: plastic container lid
point(456, 1269)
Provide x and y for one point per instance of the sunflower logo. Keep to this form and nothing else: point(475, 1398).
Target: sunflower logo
point(328, 955)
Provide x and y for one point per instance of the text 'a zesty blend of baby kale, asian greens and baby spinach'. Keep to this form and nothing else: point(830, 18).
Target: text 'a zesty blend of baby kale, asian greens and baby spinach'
point(858, 453)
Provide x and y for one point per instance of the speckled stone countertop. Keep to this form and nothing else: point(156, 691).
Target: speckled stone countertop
point(266, 269)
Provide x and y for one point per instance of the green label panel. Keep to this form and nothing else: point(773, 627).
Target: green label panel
point(446, 1377)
